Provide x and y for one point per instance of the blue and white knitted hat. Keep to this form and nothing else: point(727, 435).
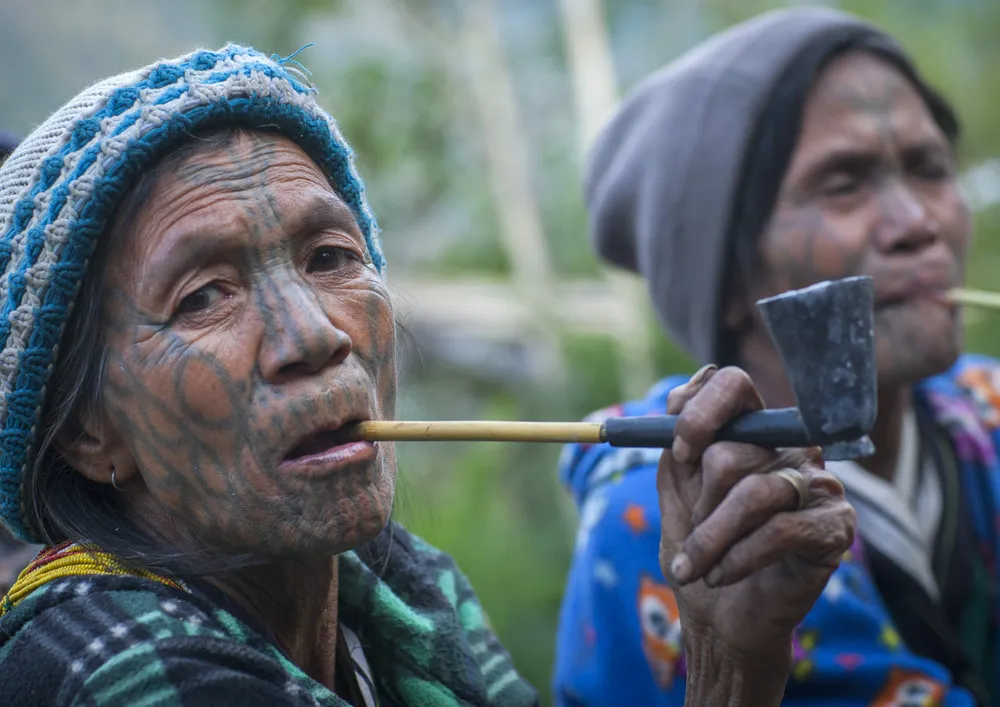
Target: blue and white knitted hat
point(61, 185)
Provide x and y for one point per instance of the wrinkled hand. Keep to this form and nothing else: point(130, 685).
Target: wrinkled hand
point(745, 563)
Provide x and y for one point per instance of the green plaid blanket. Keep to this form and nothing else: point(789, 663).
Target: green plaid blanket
point(110, 641)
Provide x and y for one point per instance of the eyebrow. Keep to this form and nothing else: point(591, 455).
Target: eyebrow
point(848, 157)
point(321, 213)
point(213, 243)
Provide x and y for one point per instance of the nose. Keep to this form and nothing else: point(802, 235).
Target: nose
point(905, 224)
point(299, 336)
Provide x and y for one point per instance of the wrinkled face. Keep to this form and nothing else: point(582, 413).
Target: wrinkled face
point(247, 327)
point(871, 190)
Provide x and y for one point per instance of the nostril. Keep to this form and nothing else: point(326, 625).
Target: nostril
point(298, 368)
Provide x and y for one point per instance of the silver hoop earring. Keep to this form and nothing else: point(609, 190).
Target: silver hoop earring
point(114, 483)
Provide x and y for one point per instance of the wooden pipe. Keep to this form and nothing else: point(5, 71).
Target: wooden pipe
point(623, 431)
point(766, 428)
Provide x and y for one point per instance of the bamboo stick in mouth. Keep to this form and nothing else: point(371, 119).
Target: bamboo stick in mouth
point(975, 298)
point(479, 431)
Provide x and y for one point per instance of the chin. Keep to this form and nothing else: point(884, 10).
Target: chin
point(350, 522)
point(918, 358)
point(312, 525)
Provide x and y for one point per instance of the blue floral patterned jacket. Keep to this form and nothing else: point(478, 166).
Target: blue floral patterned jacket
point(619, 641)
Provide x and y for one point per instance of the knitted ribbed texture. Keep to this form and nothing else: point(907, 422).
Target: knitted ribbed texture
point(61, 185)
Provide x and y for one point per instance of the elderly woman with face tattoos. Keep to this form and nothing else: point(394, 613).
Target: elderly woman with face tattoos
point(797, 147)
point(194, 312)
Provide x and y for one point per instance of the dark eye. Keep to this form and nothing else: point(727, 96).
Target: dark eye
point(841, 184)
point(329, 258)
point(201, 299)
point(933, 170)
point(932, 164)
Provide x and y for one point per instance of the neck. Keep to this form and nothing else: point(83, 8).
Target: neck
point(885, 435)
point(887, 432)
point(296, 601)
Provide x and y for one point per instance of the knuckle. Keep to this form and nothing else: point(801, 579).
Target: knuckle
point(735, 377)
point(736, 380)
point(720, 459)
point(836, 540)
point(829, 535)
point(785, 525)
point(753, 494)
point(735, 390)
point(825, 483)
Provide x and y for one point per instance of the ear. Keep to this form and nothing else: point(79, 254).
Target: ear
point(94, 448)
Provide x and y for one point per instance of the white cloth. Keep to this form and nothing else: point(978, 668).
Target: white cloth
point(899, 519)
point(364, 671)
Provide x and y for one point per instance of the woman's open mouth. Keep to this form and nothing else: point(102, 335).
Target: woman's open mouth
point(327, 451)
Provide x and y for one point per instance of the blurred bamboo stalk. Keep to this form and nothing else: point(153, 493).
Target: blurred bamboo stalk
point(595, 92)
point(508, 164)
point(592, 67)
point(503, 137)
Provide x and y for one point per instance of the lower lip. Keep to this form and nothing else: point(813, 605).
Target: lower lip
point(942, 297)
point(937, 296)
point(331, 460)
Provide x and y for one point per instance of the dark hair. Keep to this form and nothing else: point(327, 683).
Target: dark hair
point(772, 144)
point(61, 503)
point(8, 143)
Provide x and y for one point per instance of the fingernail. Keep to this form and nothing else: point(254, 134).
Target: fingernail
point(680, 568)
point(714, 576)
point(681, 450)
point(702, 372)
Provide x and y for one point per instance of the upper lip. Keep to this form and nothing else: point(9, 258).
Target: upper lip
point(319, 424)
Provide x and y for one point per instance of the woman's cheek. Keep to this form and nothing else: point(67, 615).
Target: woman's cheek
point(204, 391)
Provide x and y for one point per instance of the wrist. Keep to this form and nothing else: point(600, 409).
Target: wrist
point(718, 676)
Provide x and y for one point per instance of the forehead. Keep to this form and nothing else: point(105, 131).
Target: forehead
point(226, 178)
point(222, 191)
point(234, 160)
point(862, 101)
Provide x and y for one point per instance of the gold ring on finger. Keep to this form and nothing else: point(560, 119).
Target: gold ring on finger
point(798, 482)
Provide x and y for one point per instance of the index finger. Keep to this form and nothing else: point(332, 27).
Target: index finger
point(728, 393)
point(678, 397)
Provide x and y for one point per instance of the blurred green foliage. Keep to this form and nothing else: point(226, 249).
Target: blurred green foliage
point(394, 73)
point(499, 509)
